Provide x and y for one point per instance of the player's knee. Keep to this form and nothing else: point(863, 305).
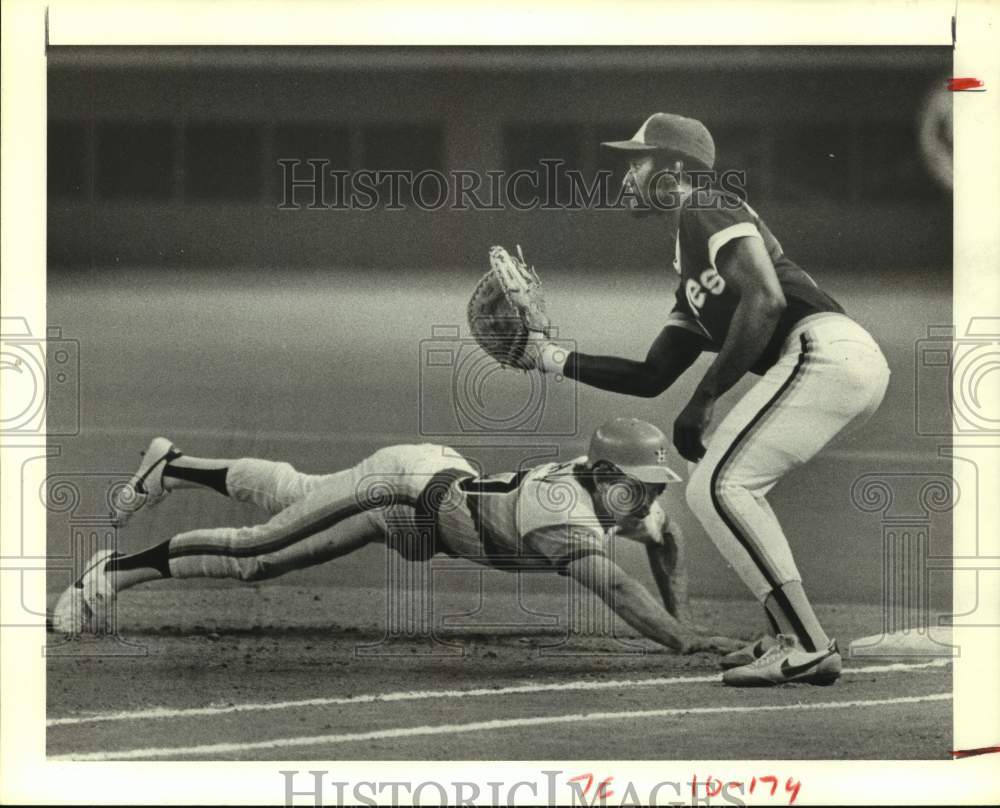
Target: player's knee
point(242, 540)
point(729, 494)
point(705, 493)
point(267, 483)
point(257, 568)
point(290, 484)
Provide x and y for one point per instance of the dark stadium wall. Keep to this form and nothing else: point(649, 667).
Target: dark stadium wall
point(160, 164)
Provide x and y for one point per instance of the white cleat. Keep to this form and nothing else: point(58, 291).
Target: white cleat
point(86, 605)
point(748, 653)
point(145, 488)
point(787, 662)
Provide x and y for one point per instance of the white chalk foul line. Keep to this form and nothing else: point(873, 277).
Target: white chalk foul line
point(480, 726)
point(419, 695)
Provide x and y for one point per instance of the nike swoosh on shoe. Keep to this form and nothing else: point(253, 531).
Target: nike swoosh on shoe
point(794, 670)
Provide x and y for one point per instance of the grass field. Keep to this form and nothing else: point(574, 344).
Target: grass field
point(312, 666)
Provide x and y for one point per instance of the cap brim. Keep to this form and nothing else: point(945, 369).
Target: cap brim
point(652, 474)
point(629, 145)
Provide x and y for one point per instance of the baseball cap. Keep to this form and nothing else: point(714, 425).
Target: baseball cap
point(664, 131)
point(636, 447)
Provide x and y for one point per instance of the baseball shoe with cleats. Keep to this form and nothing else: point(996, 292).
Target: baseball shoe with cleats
point(787, 662)
point(748, 653)
point(145, 488)
point(85, 607)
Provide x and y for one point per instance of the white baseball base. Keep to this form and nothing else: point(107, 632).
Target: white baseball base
point(917, 642)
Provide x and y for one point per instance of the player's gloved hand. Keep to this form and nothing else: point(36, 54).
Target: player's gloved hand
point(506, 311)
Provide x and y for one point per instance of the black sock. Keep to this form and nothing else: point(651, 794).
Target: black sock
point(788, 607)
point(775, 628)
point(157, 558)
point(211, 478)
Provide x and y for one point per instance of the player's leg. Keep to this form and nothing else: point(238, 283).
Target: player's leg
point(164, 468)
point(792, 412)
point(326, 524)
point(395, 474)
point(725, 493)
point(250, 553)
point(316, 519)
point(321, 518)
point(244, 554)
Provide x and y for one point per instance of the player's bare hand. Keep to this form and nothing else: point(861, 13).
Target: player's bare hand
point(690, 426)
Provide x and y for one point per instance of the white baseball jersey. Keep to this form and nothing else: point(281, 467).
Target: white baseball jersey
point(538, 518)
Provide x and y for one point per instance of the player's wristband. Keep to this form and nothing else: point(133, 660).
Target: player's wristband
point(553, 359)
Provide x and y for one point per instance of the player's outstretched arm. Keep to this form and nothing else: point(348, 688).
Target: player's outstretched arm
point(631, 601)
point(668, 564)
point(664, 543)
point(673, 352)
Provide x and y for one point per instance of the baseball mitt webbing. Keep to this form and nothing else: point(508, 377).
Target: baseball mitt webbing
point(505, 306)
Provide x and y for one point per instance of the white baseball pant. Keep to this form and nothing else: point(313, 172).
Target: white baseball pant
point(830, 378)
point(315, 517)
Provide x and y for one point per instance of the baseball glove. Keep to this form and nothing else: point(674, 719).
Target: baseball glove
point(505, 306)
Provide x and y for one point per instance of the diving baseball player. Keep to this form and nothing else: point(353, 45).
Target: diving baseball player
point(420, 500)
point(740, 297)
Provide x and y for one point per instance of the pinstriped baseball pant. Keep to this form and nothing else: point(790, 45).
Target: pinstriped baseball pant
point(830, 378)
point(315, 518)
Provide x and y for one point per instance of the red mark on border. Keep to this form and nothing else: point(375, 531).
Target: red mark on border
point(603, 790)
point(965, 85)
point(714, 787)
point(983, 750)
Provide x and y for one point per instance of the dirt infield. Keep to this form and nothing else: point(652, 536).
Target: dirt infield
point(217, 675)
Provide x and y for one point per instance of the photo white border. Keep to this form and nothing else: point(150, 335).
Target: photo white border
point(28, 778)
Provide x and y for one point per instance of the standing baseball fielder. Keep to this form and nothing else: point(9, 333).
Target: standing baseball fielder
point(820, 372)
point(419, 499)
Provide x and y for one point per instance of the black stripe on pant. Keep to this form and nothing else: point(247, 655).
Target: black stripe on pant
point(745, 540)
point(426, 505)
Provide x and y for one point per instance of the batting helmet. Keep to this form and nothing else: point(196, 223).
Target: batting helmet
point(636, 447)
point(664, 131)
